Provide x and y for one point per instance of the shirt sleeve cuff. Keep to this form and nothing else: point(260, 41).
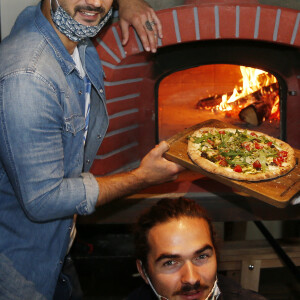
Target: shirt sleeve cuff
point(92, 191)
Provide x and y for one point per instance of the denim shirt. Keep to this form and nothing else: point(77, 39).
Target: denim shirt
point(44, 178)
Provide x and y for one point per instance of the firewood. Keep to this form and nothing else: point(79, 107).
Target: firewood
point(211, 102)
point(255, 113)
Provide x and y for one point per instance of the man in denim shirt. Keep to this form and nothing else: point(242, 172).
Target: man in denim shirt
point(46, 148)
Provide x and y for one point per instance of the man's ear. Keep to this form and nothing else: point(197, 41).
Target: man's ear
point(141, 270)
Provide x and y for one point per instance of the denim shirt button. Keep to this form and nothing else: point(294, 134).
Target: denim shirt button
point(80, 92)
point(99, 136)
point(101, 91)
point(88, 161)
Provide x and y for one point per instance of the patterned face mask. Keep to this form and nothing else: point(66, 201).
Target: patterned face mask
point(73, 29)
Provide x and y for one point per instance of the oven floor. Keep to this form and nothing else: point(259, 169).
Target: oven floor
point(178, 117)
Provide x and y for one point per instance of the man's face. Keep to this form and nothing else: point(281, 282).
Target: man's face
point(182, 261)
point(86, 12)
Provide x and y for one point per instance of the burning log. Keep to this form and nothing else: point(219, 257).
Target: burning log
point(260, 110)
point(253, 108)
point(210, 102)
point(255, 113)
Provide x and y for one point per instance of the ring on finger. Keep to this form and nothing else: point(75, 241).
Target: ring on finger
point(148, 25)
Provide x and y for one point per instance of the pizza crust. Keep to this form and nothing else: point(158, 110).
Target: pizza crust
point(274, 172)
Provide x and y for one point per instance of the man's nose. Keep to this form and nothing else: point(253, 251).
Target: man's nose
point(95, 3)
point(189, 273)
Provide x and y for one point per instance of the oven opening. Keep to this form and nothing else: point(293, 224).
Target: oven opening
point(240, 95)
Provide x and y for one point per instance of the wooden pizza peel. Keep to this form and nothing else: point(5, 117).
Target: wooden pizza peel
point(277, 192)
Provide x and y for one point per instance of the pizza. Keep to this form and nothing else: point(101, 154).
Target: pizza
point(240, 154)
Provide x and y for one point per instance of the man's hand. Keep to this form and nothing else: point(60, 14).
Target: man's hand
point(155, 169)
point(143, 18)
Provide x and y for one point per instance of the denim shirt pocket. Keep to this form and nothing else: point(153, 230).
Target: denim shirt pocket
point(74, 124)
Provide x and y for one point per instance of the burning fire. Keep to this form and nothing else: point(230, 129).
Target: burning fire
point(257, 85)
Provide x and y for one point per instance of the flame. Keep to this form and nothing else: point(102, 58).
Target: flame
point(275, 112)
point(252, 81)
point(255, 86)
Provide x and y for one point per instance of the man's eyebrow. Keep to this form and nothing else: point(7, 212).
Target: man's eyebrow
point(166, 256)
point(206, 247)
point(174, 256)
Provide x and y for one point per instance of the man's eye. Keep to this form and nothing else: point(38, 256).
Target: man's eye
point(202, 257)
point(169, 263)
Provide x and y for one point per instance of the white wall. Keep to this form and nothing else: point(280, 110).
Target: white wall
point(9, 12)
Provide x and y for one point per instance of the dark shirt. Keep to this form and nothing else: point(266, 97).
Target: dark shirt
point(229, 291)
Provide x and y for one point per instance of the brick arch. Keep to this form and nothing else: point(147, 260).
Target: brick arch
point(129, 75)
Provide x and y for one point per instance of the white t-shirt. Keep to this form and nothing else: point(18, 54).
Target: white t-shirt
point(88, 87)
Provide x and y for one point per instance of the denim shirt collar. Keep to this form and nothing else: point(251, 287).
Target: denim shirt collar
point(51, 36)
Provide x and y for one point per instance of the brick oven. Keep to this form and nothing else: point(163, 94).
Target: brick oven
point(199, 33)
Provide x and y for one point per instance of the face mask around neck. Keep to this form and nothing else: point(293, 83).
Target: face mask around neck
point(215, 292)
point(73, 29)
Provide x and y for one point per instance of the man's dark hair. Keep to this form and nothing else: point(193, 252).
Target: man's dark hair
point(162, 212)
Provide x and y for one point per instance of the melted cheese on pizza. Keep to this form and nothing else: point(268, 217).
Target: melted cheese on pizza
point(240, 150)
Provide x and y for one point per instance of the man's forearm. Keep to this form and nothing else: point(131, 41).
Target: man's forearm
point(118, 186)
point(154, 169)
